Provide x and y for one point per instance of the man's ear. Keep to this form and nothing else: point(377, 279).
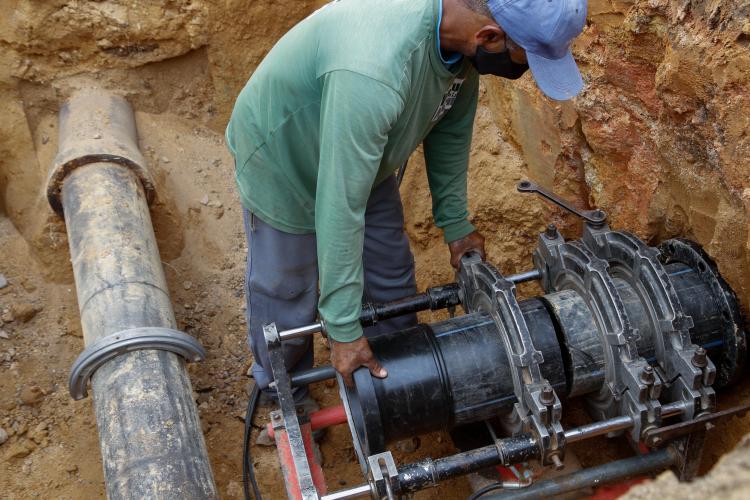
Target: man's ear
point(491, 37)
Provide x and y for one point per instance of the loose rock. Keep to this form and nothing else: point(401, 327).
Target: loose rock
point(21, 449)
point(24, 312)
point(4, 335)
point(3, 436)
point(3, 281)
point(31, 395)
point(7, 316)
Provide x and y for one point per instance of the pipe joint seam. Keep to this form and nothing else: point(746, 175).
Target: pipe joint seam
point(96, 127)
point(111, 346)
point(61, 170)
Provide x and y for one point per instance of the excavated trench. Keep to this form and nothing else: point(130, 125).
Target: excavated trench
point(659, 140)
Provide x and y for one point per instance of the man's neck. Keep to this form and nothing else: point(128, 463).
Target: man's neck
point(453, 32)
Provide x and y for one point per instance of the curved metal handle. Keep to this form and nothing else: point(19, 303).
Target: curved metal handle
point(596, 217)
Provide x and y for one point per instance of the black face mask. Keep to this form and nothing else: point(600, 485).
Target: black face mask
point(498, 64)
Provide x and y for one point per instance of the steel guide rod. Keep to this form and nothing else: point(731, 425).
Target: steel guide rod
point(435, 298)
point(506, 451)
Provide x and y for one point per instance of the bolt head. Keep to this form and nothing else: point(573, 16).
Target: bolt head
point(700, 360)
point(647, 375)
point(551, 231)
point(547, 395)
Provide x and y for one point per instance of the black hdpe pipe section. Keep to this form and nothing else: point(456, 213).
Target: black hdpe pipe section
point(435, 298)
point(150, 436)
point(428, 472)
point(594, 476)
point(443, 375)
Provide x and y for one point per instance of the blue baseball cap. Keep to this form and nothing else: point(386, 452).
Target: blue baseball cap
point(545, 29)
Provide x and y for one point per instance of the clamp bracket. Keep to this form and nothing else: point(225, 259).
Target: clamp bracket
point(136, 339)
point(384, 475)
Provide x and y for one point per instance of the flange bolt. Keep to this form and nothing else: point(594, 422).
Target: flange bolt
point(547, 396)
point(647, 375)
point(551, 232)
point(559, 465)
point(700, 360)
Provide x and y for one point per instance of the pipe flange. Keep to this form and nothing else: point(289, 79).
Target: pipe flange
point(730, 366)
point(61, 170)
point(136, 339)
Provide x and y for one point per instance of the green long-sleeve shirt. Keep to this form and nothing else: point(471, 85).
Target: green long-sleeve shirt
point(337, 105)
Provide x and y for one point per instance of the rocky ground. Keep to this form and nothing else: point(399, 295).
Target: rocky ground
point(659, 139)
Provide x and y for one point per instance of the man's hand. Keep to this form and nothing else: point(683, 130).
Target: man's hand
point(471, 242)
point(348, 356)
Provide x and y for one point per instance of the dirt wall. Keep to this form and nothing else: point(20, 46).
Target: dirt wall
point(659, 138)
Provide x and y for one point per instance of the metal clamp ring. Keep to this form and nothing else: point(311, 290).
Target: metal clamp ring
point(111, 346)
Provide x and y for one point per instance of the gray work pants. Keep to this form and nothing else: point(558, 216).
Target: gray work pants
point(281, 282)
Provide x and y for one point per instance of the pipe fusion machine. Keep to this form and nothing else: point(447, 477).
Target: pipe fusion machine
point(642, 335)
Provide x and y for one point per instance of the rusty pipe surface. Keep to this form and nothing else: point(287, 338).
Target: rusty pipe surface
point(149, 432)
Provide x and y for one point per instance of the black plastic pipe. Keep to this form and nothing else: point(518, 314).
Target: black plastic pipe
point(444, 375)
point(150, 436)
point(594, 476)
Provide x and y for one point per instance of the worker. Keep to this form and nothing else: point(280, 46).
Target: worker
point(335, 108)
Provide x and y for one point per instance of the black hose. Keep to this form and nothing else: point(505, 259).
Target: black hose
point(248, 474)
point(593, 476)
point(481, 492)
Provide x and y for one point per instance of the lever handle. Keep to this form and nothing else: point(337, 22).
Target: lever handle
point(595, 217)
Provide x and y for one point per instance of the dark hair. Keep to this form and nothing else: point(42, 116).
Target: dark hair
point(478, 6)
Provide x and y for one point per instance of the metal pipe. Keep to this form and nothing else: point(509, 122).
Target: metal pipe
point(321, 419)
point(434, 298)
point(356, 492)
point(149, 432)
point(593, 476)
point(525, 276)
point(317, 374)
point(614, 424)
point(301, 331)
point(427, 473)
